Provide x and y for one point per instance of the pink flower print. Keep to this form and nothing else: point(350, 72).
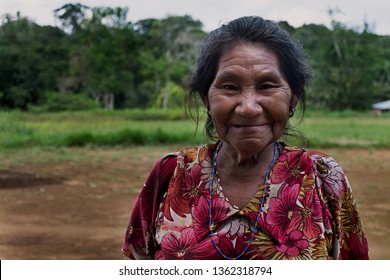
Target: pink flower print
point(186, 246)
point(234, 246)
point(293, 244)
point(291, 168)
point(195, 187)
point(281, 208)
point(307, 214)
point(201, 215)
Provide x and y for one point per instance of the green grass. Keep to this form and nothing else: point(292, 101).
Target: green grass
point(152, 127)
point(96, 128)
point(346, 129)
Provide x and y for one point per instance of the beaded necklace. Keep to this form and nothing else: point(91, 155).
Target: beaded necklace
point(212, 226)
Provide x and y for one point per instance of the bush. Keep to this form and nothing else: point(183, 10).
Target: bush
point(13, 132)
point(59, 102)
point(176, 97)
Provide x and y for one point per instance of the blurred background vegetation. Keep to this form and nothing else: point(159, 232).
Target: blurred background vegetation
point(96, 58)
point(122, 77)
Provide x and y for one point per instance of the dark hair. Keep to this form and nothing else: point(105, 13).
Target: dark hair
point(251, 29)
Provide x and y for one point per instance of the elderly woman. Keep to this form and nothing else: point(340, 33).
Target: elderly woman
point(247, 196)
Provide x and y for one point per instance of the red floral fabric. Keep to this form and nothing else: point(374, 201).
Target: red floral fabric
point(309, 212)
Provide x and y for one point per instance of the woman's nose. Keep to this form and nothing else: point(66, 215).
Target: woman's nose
point(249, 105)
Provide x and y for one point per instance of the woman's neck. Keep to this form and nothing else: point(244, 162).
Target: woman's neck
point(239, 164)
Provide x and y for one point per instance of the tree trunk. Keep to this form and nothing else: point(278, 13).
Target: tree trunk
point(108, 100)
point(165, 95)
point(167, 80)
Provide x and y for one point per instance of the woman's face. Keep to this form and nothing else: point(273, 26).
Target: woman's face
point(249, 99)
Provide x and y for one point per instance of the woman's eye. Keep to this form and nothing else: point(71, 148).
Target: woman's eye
point(267, 86)
point(229, 87)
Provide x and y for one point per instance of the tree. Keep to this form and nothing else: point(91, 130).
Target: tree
point(72, 16)
point(351, 65)
point(344, 62)
point(32, 57)
point(97, 52)
point(382, 69)
point(172, 43)
point(108, 54)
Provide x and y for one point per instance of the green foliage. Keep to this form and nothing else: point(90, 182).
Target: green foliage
point(175, 96)
point(58, 102)
point(97, 52)
point(72, 16)
point(154, 115)
point(345, 65)
point(32, 58)
point(13, 132)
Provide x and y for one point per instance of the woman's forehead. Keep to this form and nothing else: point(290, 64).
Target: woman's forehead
point(248, 55)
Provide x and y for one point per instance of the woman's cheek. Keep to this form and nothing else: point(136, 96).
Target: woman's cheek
point(219, 120)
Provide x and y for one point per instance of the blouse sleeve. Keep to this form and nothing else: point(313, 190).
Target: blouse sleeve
point(349, 240)
point(140, 232)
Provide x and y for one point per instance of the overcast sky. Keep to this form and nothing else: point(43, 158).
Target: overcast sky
point(212, 13)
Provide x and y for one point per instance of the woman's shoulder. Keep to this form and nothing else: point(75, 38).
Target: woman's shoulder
point(330, 176)
point(185, 156)
point(322, 161)
point(313, 154)
point(197, 153)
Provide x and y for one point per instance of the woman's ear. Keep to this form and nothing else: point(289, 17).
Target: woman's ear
point(294, 101)
point(293, 104)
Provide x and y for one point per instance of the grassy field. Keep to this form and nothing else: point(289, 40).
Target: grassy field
point(95, 128)
point(152, 127)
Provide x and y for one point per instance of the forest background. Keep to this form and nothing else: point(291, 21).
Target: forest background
point(95, 58)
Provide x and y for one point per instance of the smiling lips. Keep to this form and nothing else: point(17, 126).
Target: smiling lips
point(248, 128)
point(247, 125)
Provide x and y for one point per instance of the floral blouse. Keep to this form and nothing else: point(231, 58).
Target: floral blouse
point(309, 212)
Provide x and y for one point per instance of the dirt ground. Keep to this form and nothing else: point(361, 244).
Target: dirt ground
point(78, 209)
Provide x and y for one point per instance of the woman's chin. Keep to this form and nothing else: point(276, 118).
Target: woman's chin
point(250, 146)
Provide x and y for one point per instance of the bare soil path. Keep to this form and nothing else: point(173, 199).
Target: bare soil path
point(78, 209)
